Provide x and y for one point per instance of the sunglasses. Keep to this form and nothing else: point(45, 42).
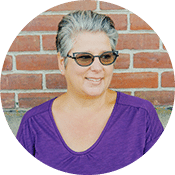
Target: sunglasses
point(86, 59)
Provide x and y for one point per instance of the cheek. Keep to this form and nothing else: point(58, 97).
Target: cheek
point(109, 71)
point(109, 75)
point(75, 72)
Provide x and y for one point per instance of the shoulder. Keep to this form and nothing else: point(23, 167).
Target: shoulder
point(44, 107)
point(34, 119)
point(133, 101)
point(141, 104)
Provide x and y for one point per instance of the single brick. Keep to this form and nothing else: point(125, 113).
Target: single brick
point(21, 81)
point(44, 23)
point(36, 62)
point(75, 5)
point(49, 42)
point(138, 24)
point(122, 62)
point(120, 21)
point(25, 43)
point(152, 60)
point(138, 41)
point(135, 80)
point(29, 100)
point(167, 79)
point(8, 100)
point(55, 81)
point(7, 66)
point(157, 97)
point(109, 6)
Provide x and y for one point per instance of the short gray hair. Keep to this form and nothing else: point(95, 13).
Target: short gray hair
point(79, 21)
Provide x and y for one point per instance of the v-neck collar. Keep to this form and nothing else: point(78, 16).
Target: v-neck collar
point(96, 142)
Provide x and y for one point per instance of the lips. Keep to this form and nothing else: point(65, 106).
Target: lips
point(93, 79)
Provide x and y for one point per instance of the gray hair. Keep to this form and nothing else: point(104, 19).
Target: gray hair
point(80, 21)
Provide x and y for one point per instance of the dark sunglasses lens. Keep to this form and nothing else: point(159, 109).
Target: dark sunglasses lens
point(107, 58)
point(84, 59)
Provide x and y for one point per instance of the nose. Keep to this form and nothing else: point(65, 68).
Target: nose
point(96, 65)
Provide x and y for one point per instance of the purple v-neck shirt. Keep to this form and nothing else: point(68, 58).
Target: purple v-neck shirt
point(131, 131)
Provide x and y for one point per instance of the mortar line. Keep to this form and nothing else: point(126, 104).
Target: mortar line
point(49, 52)
point(41, 43)
point(137, 70)
point(34, 91)
point(131, 61)
point(144, 89)
point(31, 72)
point(128, 31)
point(44, 81)
point(22, 33)
point(64, 90)
point(16, 100)
point(122, 11)
point(128, 22)
point(97, 6)
point(132, 93)
point(54, 52)
point(130, 70)
point(159, 79)
point(161, 45)
point(14, 63)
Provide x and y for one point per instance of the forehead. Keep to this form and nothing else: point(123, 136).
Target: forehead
point(91, 42)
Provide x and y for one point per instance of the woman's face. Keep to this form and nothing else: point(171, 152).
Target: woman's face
point(92, 80)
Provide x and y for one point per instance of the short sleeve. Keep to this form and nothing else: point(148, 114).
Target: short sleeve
point(25, 135)
point(154, 128)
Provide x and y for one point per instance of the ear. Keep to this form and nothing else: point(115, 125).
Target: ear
point(61, 63)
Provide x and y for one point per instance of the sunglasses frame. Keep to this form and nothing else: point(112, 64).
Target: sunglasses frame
point(74, 57)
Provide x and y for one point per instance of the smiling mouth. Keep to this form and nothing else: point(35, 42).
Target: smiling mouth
point(94, 79)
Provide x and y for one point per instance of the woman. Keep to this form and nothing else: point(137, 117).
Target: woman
point(90, 129)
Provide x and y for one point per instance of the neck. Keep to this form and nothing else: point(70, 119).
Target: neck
point(85, 102)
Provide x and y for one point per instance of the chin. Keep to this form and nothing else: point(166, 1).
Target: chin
point(94, 92)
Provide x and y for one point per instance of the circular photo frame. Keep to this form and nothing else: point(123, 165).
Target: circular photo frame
point(31, 76)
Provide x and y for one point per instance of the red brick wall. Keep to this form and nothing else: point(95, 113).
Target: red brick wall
point(30, 73)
